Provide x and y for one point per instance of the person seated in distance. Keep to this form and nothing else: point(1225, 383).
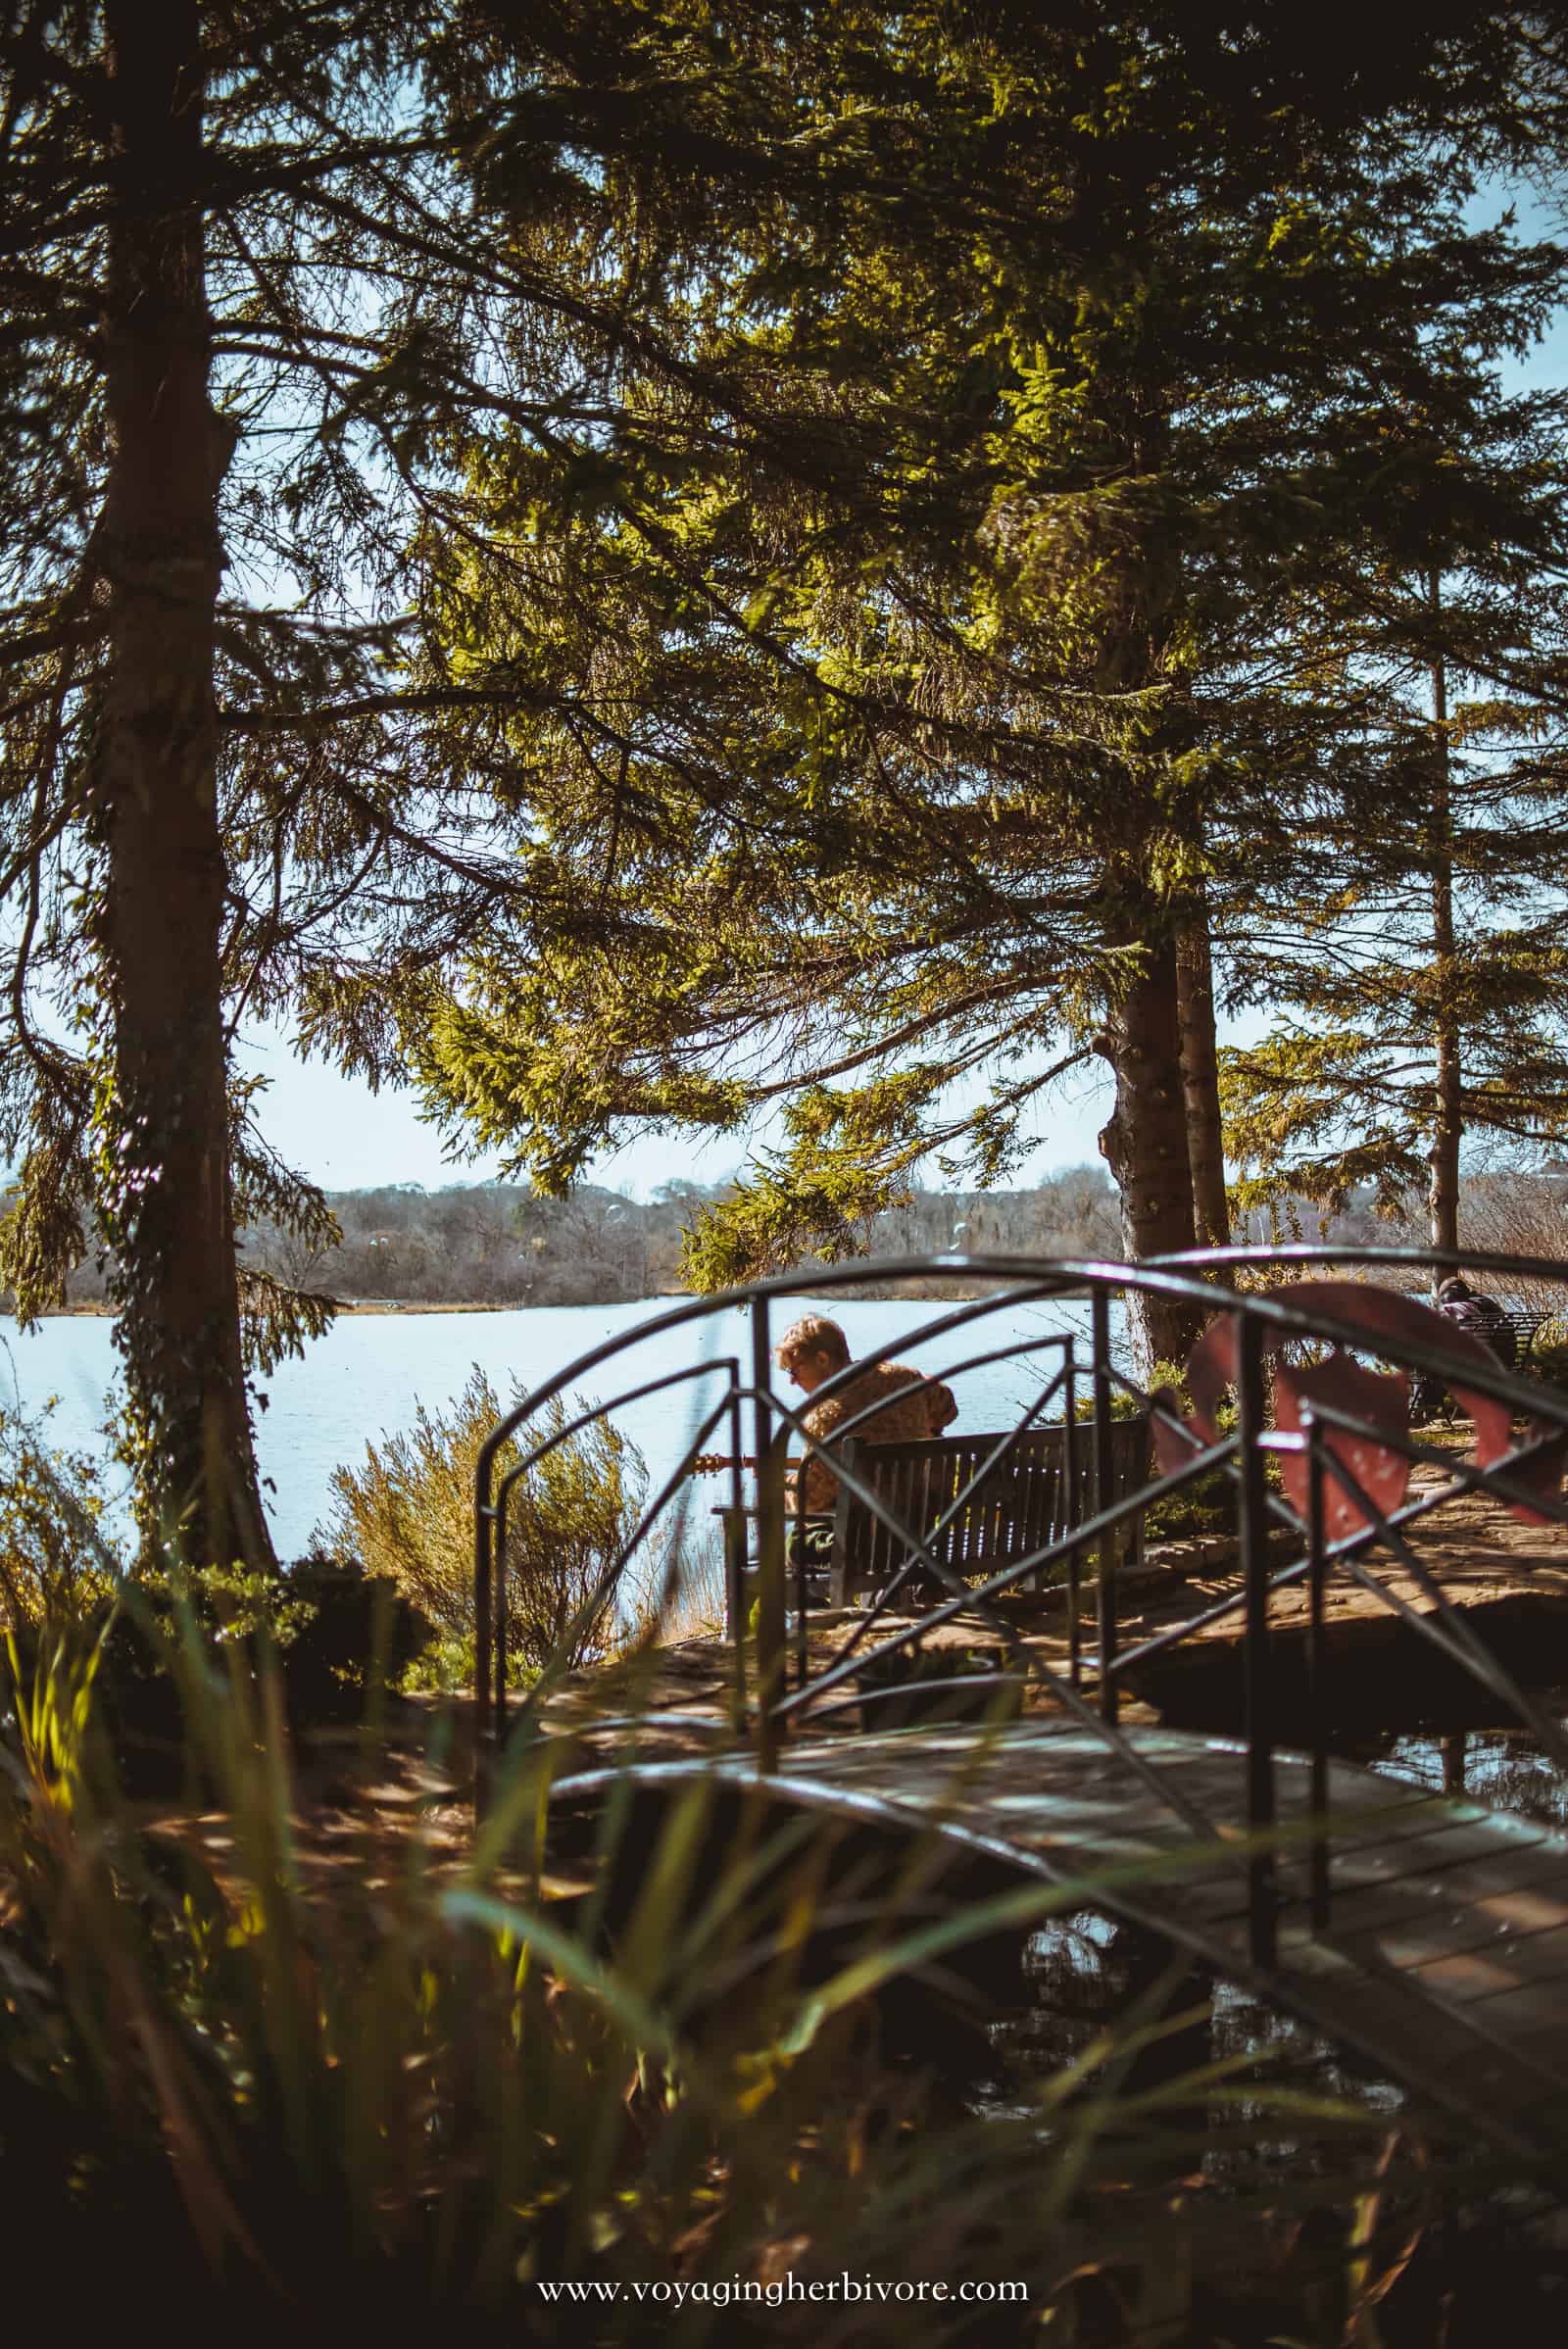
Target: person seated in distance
point(1481, 1316)
point(913, 1407)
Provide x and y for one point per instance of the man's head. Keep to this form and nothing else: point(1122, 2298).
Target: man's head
point(813, 1350)
point(1453, 1291)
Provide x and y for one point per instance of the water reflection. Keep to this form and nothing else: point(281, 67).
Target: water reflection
point(1503, 1768)
point(1143, 2018)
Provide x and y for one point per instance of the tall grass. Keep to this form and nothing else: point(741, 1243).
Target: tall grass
point(375, 2077)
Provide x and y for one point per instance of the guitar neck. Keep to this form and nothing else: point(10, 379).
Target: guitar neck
point(709, 1463)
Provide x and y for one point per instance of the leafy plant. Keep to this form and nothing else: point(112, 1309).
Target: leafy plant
point(1547, 1359)
point(357, 1635)
point(335, 1640)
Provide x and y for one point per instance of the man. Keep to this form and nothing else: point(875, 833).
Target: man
point(915, 1407)
point(1482, 1317)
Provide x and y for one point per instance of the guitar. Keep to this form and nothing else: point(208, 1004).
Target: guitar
point(709, 1463)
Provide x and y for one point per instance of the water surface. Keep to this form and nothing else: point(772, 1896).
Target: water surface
point(364, 1378)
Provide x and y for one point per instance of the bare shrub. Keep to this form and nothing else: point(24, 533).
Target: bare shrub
point(1512, 1213)
point(409, 1514)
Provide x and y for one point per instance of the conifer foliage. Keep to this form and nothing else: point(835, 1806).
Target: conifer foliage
point(634, 561)
point(257, 294)
point(951, 633)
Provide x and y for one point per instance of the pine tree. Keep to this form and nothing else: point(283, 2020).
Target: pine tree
point(1423, 987)
point(921, 749)
point(262, 264)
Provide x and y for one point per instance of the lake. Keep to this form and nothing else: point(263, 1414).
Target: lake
point(363, 1379)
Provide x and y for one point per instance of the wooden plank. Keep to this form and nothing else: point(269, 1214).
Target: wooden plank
point(1410, 2038)
point(1481, 1983)
point(1495, 1968)
point(1531, 1886)
point(1447, 1953)
point(1394, 1920)
point(1536, 1951)
point(1108, 1819)
point(1400, 1929)
point(1442, 2050)
point(1508, 1925)
point(1447, 1960)
point(1376, 1885)
point(1459, 1868)
point(1099, 1789)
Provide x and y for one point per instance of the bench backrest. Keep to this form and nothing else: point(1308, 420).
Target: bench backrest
point(1526, 1321)
point(1021, 1505)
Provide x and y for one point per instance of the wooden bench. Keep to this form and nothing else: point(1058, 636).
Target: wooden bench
point(1428, 1397)
point(1023, 1504)
point(1526, 1323)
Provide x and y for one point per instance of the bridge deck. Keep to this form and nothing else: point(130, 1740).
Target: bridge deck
point(1446, 1952)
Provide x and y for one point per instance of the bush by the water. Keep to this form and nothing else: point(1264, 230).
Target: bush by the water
point(340, 1634)
point(56, 1560)
point(409, 1514)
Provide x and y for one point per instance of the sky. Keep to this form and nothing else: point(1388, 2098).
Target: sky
point(339, 1134)
point(336, 1131)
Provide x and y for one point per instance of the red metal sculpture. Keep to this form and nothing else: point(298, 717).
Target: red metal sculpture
point(1379, 1399)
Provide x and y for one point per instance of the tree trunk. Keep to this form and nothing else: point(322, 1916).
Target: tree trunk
point(1145, 1142)
point(1447, 1115)
point(169, 1206)
point(1147, 722)
point(1205, 1149)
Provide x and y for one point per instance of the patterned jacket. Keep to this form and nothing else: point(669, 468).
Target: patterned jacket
point(1485, 1319)
point(916, 1410)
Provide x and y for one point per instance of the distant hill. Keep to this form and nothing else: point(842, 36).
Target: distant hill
point(498, 1244)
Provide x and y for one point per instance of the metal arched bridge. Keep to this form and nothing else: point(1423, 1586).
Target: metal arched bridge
point(1429, 1933)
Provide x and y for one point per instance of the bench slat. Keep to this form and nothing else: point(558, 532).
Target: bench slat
point(1023, 1504)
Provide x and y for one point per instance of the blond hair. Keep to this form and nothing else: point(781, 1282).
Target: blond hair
point(812, 1334)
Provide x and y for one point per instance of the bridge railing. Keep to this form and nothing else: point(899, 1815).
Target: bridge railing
point(1338, 1518)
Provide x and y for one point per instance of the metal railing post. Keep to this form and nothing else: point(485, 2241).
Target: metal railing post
point(498, 1621)
point(1100, 1326)
point(1317, 1676)
point(802, 1649)
point(1072, 1513)
point(482, 1523)
point(735, 1549)
point(770, 1542)
point(1254, 1530)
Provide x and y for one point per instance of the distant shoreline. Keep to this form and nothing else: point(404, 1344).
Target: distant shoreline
point(357, 1308)
point(345, 1305)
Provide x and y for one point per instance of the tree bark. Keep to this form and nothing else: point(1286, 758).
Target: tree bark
point(169, 1196)
point(1145, 1141)
point(1447, 1115)
point(1205, 1146)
